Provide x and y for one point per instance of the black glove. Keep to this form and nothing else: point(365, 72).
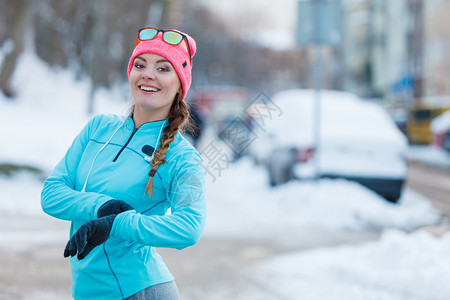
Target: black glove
point(113, 207)
point(90, 235)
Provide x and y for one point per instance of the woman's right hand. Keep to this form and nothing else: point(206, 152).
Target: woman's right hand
point(90, 235)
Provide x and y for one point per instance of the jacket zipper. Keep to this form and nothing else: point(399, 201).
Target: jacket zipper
point(126, 144)
point(112, 271)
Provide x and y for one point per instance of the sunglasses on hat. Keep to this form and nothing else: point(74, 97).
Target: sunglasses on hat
point(171, 37)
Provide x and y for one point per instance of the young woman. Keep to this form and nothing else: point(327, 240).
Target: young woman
point(122, 174)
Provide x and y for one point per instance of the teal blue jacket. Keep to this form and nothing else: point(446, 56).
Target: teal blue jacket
point(127, 262)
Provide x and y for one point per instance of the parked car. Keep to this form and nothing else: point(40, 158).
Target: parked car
point(440, 127)
point(358, 141)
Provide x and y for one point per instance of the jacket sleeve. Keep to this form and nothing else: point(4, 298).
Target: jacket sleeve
point(60, 197)
point(184, 226)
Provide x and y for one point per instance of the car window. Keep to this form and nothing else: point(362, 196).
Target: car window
point(422, 114)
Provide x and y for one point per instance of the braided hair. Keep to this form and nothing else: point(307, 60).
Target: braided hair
point(178, 120)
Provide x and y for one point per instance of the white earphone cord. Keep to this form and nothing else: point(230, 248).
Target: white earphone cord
point(157, 140)
point(92, 165)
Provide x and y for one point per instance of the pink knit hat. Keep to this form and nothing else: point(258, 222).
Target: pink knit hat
point(177, 54)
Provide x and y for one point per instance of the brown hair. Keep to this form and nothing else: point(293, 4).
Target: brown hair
point(178, 120)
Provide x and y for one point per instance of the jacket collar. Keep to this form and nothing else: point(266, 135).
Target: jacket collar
point(146, 127)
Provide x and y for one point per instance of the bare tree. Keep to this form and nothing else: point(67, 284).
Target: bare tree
point(17, 37)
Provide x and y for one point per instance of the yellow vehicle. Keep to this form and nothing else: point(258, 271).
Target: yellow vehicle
point(420, 116)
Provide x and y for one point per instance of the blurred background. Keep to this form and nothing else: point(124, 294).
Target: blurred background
point(330, 120)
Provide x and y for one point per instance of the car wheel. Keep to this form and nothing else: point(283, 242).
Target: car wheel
point(281, 166)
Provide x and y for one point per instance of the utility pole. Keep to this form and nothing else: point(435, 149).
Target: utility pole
point(319, 24)
point(317, 84)
point(415, 41)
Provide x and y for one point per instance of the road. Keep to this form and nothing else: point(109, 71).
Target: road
point(432, 182)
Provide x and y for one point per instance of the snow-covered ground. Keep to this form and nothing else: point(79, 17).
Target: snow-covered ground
point(441, 123)
point(430, 155)
point(397, 266)
point(405, 263)
point(243, 201)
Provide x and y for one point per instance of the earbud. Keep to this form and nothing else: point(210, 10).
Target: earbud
point(147, 149)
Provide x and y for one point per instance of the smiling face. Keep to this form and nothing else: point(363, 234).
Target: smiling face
point(154, 84)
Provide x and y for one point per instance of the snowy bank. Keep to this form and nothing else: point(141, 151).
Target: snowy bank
point(399, 266)
point(429, 155)
point(242, 205)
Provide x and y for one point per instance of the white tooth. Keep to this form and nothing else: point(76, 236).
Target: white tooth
point(148, 89)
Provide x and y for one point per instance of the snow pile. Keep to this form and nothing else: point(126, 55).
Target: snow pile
point(429, 155)
point(241, 205)
point(23, 224)
point(398, 266)
point(20, 195)
point(441, 123)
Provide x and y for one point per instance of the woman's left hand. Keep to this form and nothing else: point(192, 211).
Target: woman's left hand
point(90, 235)
point(113, 207)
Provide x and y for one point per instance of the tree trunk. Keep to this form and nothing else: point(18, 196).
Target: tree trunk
point(17, 36)
point(99, 41)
